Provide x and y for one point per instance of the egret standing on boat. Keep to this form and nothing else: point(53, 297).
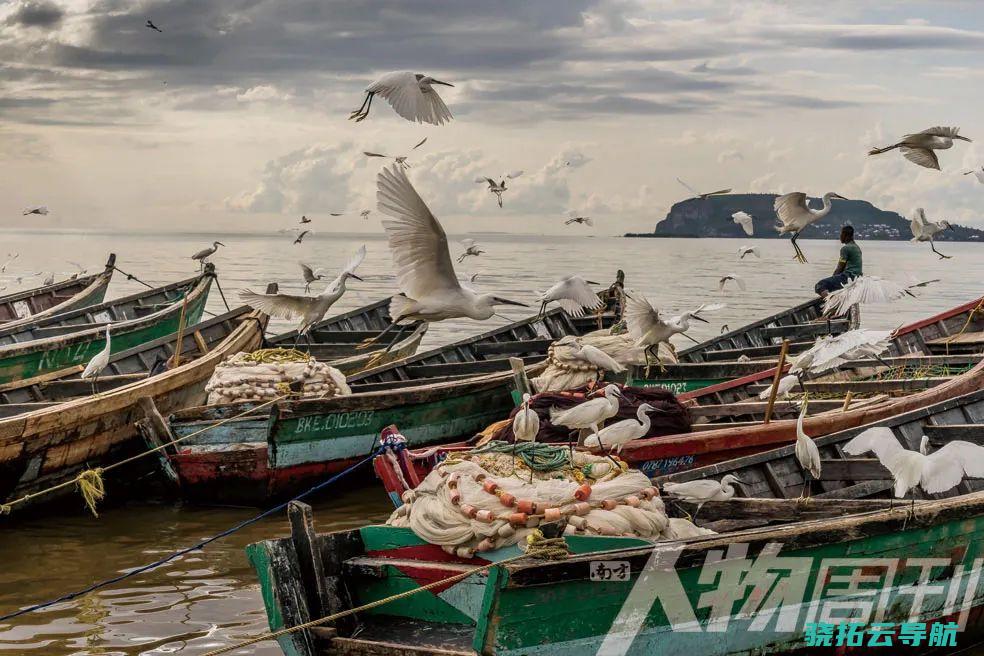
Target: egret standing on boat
point(849, 266)
point(206, 253)
point(526, 423)
point(591, 414)
point(572, 294)
point(925, 230)
point(703, 490)
point(745, 221)
point(794, 215)
point(617, 434)
point(807, 454)
point(311, 309)
point(918, 148)
point(98, 363)
point(411, 95)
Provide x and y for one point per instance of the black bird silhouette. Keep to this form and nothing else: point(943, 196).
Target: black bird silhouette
point(300, 237)
point(151, 25)
point(304, 219)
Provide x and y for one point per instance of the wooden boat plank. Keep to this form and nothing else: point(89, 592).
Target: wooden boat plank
point(806, 329)
point(755, 351)
point(782, 510)
point(63, 296)
point(514, 347)
point(868, 386)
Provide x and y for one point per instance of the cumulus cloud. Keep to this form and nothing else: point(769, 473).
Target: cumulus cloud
point(35, 13)
point(731, 155)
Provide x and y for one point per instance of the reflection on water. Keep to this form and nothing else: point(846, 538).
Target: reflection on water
point(208, 599)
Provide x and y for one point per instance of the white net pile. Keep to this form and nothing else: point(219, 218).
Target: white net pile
point(490, 498)
point(269, 373)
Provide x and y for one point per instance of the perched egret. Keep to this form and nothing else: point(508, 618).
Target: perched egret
point(301, 235)
point(795, 214)
point(42, 210)
point(703, 490)
point(598, 358)
point(732, 278)
point(584, 220)
point(745, 250)
point(785, 386)
point(831, 351)
point(310, 276)
point(471, 248)
point(925, 230)
point(617, 434)
point(206, 253)
point(918, 148)
point(697, 195)
point(745, 221)
point(588, 415)
point(311, 309)
point(977, 173)
point(807, 454)
point(649, 330)
point(498, 187)
point(98, 363)
point(411, 95)
point(526, 423)
point(150, 25)
point(572, 294)
point(867, 289)
point(399, 159)
point(429, 288)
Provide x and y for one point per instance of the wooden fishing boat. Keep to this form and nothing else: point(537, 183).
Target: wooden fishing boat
point(438, 395)
point(334, 340)
point(62, 430)
point(776, 567)
point(52, 346)
point(63, 296)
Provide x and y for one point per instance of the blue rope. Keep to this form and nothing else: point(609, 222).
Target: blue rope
point(201, 545)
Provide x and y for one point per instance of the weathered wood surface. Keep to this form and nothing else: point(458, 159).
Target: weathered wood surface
point(941, 435)
point(309, 562)
point(784, 510)
point(277, 567)
point(807, 329)
point(63, 296)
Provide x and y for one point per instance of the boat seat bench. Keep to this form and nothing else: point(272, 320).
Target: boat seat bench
point(807, 329)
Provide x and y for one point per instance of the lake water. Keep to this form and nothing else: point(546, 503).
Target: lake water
point(209, 599)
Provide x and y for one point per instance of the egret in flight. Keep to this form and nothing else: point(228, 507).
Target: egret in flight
point(795, 214)
point(206, 253)
point(41, 210)
point(697, 195)
point(498, 187)
point(411, 95)
point(150, 25)
point(365, 214)
point(918, 148)
point(977, 173)
point(831, 351)
point(310, 276)
point(399, 159)
point(925, 230)
point(745, 250)
point(97, 363)
point(584, 220)
point(572, 294)
point(471, 248)
point(745, 221)
point(865, 290)
point(304, 220)
point(731, 278)
point(429, 288)
point(649, 330)
point(311, 309)
point(10, 258)
point(301, 235)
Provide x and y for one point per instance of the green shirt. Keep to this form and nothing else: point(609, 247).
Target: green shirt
point(851, 259)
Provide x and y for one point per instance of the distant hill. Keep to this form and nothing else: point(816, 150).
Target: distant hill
point(712, 218)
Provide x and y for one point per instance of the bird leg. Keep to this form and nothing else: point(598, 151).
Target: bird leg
point(798, 256)
point(399, 334)
point(942, 256)
point(543, 309)
point(807, 491)
point(362, 111)
point(696, 512)
point(366, 343)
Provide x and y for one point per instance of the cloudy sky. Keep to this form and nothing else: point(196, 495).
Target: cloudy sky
point(235, 116)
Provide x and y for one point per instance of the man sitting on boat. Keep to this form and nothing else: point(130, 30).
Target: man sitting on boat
point(848, 267)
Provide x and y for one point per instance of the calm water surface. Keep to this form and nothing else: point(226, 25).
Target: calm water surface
point(209, 598)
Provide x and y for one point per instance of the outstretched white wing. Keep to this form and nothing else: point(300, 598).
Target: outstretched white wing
point(921, 156)
point(403, 92)
point(355, 261)
point(745, 221)
point(277, 305)
point(790, 207)
point(879, 440)
point(640, 315)
point(688, 187)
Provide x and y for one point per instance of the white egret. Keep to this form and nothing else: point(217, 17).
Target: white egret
point(310, 276)
point(617, 434)
point(98, 363)
point(411, 95)
point(745, 221)
point(584, 220)
point(785, 386)
point(526, 423)
point(311, 309)
point(42, 210)
point(429, 288)
point(150, 25)
point(588, 415)
point(697, 195)
point(649, 330)
point(918, 148)
point(399, 159)
point(471, 248)
point(598, 358)
point(206, 253)
point(977, 173)
point(831, 351)
point(731, 278)
point(925, 230)
point(933, 472)
point(745, 250)
point(865, 290)
point(807, 454)
point(572, 294)
point(703, 490)
point(795, 214)
point(498, 187)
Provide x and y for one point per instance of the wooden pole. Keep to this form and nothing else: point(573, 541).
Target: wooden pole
point(176, 360)
point(847, 401)
point(775, 381)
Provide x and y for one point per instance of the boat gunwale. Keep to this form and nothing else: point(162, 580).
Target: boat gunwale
point(95, 283)
point(43, 289)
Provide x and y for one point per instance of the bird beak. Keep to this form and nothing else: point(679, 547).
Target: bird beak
point(506, 301)
point(962, 138)
point(837, 196)
point(592, 282)
point(698, 318)
point(356, 277)
point(738, 480)
point(949, 227)
point(220, 243)
point(448, 84)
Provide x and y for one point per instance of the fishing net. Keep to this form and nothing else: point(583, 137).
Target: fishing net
point(269, 373)
point(495, 496)
point(669, 418)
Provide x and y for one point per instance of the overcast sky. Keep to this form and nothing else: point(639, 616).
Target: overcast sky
point(235, 116)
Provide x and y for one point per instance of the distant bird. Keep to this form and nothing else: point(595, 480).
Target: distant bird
point(300, 237)
point(310, 276)
point(733, 278)
point(591, 414)
point(865, 290)
point(365, 214)
point(97, 363)
point(933, 472)
point(400, 159)
point(473, 278)
point(978, 173)
point(572, 294)
point(745, 250)
point(206, 253)
point(649, 330)
point(785, 386)
point(925, 230)
point(526, 423)
point(304, 219)
point(311, 309)
point(918, 148)
point(598, 358)
point(724, 328)
point(411, 95)
point(471, 248)
point(10, 258)
point(150, 24)
point(795, 214)
point(429, 288)
point(42, 210)
point(743, 358)
point(614, 436)
point(702, 195)
point(335, 213)
point(585, 220)
point(703, 490)
point(81, 269)
point(49, 280)
point(498, 187)
point(745, 221)
point(807, 454)
point(831, 351)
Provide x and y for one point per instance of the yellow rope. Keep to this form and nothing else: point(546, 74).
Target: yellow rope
point(90, 481)
point(537, 547)
point(275, 356)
